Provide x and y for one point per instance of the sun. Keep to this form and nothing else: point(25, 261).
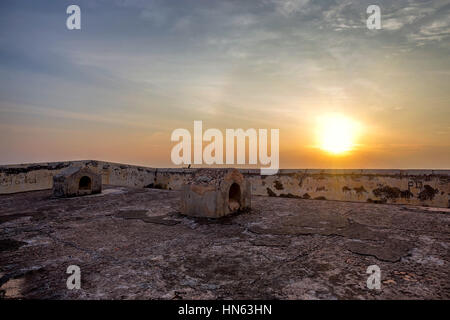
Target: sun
point(336, 134)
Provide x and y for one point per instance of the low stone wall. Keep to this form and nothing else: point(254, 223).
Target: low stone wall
point(417, 187)
point(30, 177)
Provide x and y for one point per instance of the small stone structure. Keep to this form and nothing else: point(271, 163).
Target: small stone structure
point(76, 181)
point(214, 193)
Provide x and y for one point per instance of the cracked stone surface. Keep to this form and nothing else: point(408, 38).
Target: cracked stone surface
point(134, 244)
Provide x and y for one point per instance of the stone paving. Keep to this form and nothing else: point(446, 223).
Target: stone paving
point(134, 244)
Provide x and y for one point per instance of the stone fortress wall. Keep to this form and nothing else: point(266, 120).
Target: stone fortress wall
point(415, 187)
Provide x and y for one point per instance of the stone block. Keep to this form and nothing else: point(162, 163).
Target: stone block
point(76, 181)
point(214, 193)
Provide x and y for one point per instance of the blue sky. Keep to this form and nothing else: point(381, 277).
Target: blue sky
point(137, 70)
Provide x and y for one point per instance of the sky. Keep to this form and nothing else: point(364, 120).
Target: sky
point(137, 70)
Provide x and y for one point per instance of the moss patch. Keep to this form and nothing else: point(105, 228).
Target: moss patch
point(271, 193)
point(278, 185)
point(387, 192)
point(428, 193)
point(360, 190)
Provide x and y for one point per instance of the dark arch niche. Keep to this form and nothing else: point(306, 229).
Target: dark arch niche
point(85, 183)
point(234, 197)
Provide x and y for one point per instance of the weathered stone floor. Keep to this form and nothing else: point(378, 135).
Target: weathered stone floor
point(133, 244)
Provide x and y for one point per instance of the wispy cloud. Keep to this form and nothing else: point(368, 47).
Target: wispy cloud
point(149, 65)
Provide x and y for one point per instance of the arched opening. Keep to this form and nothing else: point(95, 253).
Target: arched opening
point(85, 183)
point(234, 197)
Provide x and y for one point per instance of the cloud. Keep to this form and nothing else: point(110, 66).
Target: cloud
point(290, 7)
point(437, 30)
point(397, 18)
point(237, 62)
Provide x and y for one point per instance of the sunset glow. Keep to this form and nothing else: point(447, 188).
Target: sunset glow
point(342, 95)
point(336, 134)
